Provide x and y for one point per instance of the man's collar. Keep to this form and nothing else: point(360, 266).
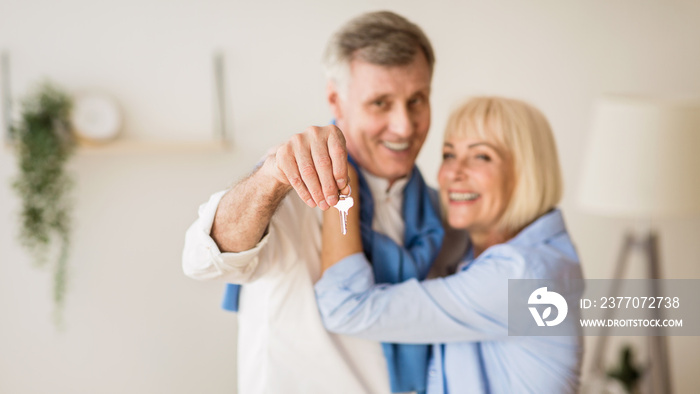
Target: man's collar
point(380, 186)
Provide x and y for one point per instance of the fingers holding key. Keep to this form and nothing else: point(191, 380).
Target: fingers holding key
point(315, 164)
point(339, 154)
point(330, 157)
point(304, 145)
point(288, 172)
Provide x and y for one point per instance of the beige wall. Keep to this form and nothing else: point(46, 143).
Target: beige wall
point(134, 323)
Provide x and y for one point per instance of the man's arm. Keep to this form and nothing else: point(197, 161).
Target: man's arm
point(313, 163)
point(245, 211)
point(227, 237)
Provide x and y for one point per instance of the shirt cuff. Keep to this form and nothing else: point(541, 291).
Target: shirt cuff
point(207, 213)
point(202, 258)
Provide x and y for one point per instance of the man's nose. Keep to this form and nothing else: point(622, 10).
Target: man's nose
point(400, 122)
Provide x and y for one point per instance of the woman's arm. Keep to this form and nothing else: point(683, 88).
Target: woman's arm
point(456, 308)
point(337, 246)
point(470, 305)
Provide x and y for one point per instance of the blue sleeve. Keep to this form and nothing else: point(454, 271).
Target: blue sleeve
point(470, 305)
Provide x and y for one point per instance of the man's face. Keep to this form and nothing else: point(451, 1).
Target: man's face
point(385, 115)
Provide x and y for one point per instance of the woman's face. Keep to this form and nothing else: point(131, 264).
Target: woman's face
point(476, 180)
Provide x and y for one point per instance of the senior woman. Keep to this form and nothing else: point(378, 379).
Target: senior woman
point(500, 181)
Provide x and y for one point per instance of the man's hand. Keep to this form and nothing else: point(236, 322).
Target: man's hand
point(314, 163)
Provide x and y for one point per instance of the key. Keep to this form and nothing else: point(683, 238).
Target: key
point(343, 206)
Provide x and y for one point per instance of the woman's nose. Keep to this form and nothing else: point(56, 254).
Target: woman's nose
point(461, 169)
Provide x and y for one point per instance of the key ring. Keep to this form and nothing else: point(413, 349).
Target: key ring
point(346, 195)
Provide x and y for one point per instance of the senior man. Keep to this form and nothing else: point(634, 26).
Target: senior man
point(379, 68)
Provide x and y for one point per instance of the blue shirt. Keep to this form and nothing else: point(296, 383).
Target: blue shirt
point(465, 316)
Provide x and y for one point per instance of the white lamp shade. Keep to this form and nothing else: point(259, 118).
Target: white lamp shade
point(643, 158)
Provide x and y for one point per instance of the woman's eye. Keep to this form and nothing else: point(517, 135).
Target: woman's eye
point(379, 103)
point(484, 157)
point(447, 155)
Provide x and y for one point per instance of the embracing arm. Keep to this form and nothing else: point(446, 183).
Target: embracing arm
point(461, 307)
point(470, 305)
point(335, 245)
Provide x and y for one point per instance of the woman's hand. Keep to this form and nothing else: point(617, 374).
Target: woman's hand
point(337, 246)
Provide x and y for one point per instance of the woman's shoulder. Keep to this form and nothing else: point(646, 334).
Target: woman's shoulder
point(533, 261)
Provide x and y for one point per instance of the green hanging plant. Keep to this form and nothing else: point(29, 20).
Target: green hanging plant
point(44, 143)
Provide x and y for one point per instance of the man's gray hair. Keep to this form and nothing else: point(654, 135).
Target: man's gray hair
point(382, 38)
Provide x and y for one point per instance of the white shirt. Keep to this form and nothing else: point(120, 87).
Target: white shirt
point(388, 218)
point(283, 346)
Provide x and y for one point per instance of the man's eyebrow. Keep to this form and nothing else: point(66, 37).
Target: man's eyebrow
point(380, 96)
point(447, 144)
point(423, 90)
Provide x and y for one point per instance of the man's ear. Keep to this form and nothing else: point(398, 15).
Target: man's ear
point(333, 97)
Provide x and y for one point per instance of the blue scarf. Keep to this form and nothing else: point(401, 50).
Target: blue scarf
point(392, 263)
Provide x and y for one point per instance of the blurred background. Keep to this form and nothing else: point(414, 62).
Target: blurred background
point(132, 321)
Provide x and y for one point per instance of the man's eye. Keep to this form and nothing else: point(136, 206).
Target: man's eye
point(415, 101)
point(379, 103)
point(447, 155)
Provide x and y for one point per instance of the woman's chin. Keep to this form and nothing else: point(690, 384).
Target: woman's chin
point(458, 224)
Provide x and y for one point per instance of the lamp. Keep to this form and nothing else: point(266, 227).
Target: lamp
point(643, 162)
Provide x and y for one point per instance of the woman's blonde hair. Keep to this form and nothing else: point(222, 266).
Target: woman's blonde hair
point(524, 133)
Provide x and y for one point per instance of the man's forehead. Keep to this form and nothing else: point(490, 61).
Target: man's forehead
point(378, 79)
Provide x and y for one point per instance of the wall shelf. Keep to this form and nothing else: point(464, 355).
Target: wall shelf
point(120, 147)
point(218, 143)
point(126, 146)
